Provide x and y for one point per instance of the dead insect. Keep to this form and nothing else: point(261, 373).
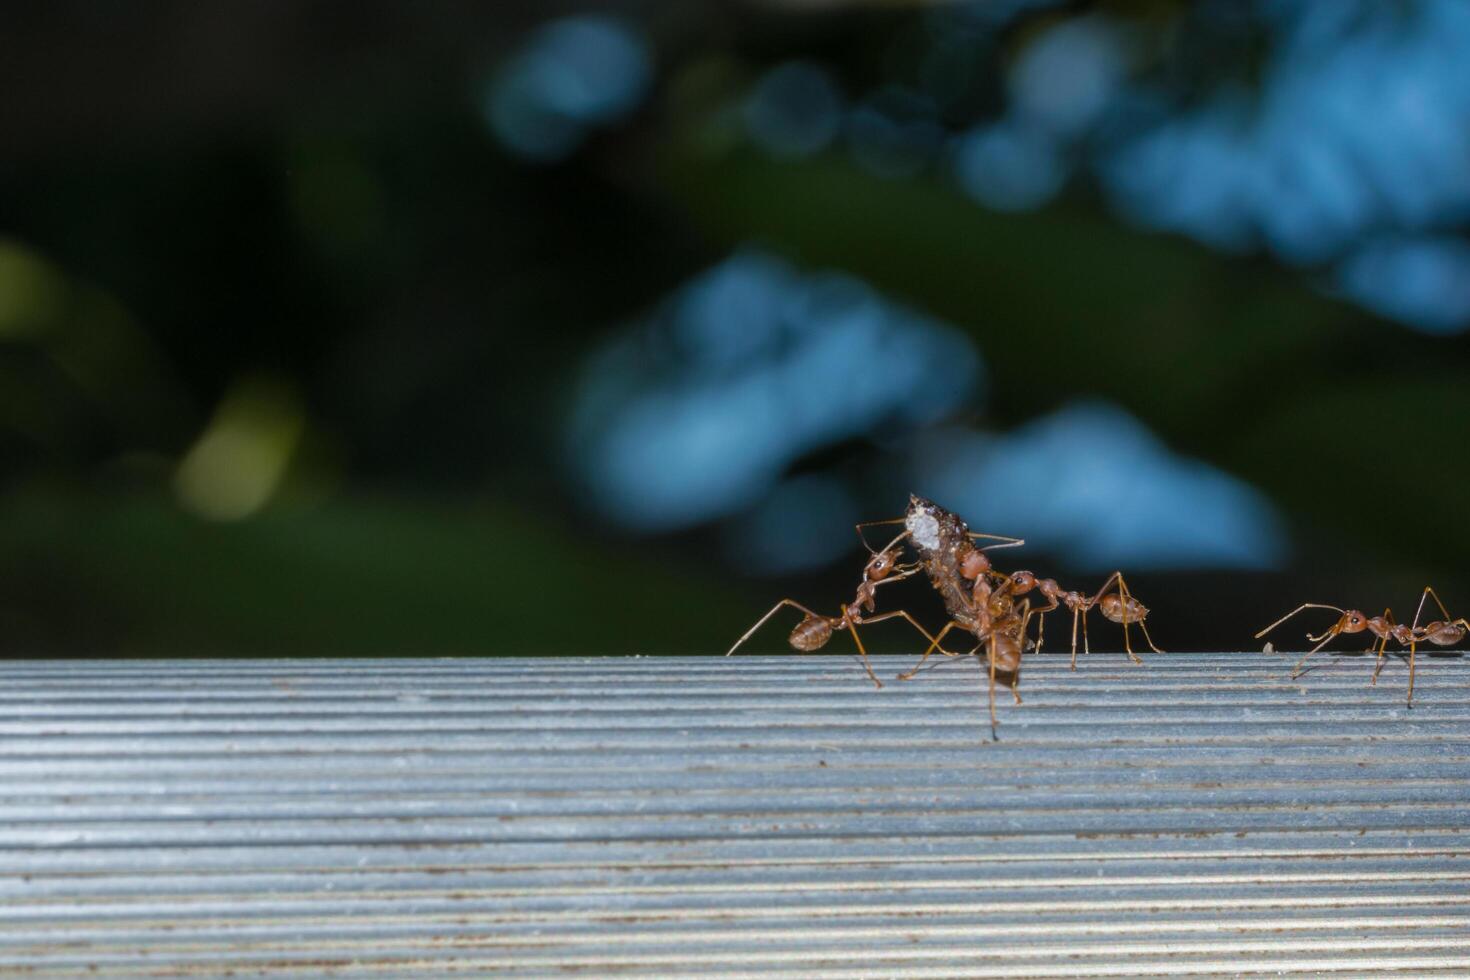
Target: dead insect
point(945, 545)
point(1444, 633)
point(815, 630)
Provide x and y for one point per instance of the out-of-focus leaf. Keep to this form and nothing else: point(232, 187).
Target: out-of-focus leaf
point(360, 577)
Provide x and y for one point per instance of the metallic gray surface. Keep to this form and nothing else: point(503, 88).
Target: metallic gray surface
point(744, 816)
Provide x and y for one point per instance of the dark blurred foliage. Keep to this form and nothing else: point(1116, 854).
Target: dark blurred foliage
point(390, 328)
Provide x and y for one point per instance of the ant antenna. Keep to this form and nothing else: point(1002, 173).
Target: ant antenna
point(859, 529)
point(1305, 605)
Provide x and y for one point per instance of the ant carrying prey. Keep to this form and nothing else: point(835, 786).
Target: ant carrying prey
point(1441, 632)
point(983, 600)
point(993, 606)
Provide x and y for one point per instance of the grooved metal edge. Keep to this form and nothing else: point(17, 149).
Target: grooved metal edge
point(745, 816)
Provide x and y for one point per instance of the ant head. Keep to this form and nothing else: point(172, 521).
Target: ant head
point(974, 564)
point(882, 564)
point(1352, 621)
point(1023, 582)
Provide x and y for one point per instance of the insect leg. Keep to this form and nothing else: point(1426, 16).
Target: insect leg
point(991, 649)
point(762, 621)
point(1326, 639)
point(934, 644)
point(1429, 591)
point(1409, 702)
point(1383, 643)
point(899, 613)
point(1006, 541)
point(847, 617)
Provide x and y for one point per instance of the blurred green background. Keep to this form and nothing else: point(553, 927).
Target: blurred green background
point(389, 328)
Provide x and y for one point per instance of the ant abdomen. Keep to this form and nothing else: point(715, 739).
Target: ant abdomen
point(812, 633)
point(1119, 609)
point(1444, 634)
point(1007, 648)
point(974, 564)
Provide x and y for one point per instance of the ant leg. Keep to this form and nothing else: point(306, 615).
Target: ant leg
point(902, 572)
point(869, 620)
point(1429, 591)
point(899, 613)
point(1026, 614)
point(1141, 624)
point(1040, 614)
point(1126, 598)
point(1144, 626)
point(1076, 610)
point(1006, 541)
point(1123, 596)
point(1382, 643)
point(1409, 702)
point(991, 650)
point(1326, 638)
point(762, 621)
point(934, 644)
point(852, 628)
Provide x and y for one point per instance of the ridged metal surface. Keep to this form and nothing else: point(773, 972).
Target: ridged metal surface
point(766, 816)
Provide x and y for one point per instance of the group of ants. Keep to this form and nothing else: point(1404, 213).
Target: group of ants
point(996, 607)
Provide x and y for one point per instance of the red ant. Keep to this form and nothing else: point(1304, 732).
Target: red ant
point(813, 632)
point(988, 607)
point(947, 553)
point(1444, 633)
point(1120, 607)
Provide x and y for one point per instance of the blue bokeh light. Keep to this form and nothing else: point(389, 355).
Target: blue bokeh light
point(794, 110)
point(1009, 167)
point(696, 412)
point(1094, 485)
point(1356, 130)
point(804, 523)
point(1360, 129)
point(1065, 80)
point(571, 75)
point(1421, 280)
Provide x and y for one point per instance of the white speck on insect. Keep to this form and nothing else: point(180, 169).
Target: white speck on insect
point(924, 529)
